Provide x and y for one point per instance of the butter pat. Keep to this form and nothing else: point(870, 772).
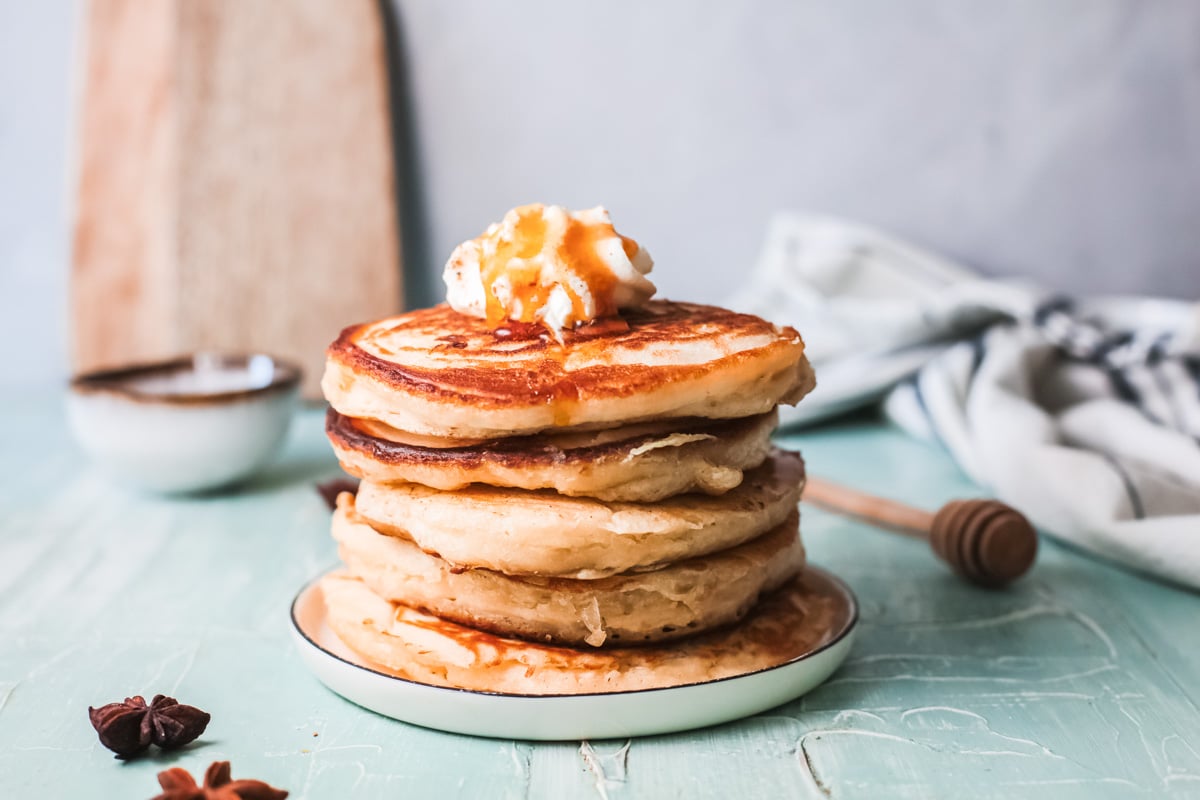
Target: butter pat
point(549, 266)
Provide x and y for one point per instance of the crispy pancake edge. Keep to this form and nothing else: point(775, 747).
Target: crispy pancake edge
point(522, 450)
point(491, 388)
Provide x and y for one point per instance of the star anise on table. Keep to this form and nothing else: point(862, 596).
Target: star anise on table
point(130, 727)
point(178, 784)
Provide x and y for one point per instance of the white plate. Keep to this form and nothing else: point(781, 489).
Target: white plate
point(561, 717)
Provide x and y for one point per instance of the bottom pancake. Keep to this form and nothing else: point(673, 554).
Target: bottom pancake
point(786, 624)
point(668, 603)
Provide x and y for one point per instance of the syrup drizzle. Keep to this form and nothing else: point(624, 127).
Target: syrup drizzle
point(517, 285)
point(562, 399)
point(520, 259)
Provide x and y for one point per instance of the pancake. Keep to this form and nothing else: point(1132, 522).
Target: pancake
point(435, 372)
point(682, 598)
point(543, 533)
point(417, 646)
point(639, 463)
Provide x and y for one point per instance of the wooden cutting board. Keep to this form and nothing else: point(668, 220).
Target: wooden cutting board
point(236, 186)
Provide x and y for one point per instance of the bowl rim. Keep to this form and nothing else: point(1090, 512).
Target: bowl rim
point(117, 380)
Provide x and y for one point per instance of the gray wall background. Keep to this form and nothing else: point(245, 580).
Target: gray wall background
point(1057, 139)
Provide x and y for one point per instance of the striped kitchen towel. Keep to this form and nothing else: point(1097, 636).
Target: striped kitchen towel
point(1084, 414)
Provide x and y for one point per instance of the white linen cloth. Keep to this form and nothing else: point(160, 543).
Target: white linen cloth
point(1084, 415)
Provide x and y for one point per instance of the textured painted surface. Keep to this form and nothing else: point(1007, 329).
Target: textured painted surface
point(1080, 682)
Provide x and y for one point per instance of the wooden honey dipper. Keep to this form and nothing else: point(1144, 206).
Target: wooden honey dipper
point(985, 541)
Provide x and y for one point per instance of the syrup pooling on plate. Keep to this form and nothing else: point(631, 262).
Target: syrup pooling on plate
point(549, 266)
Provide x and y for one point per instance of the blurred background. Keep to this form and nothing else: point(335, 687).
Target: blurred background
point(1053, 139)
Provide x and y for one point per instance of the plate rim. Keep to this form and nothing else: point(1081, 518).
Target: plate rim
point(846, 629)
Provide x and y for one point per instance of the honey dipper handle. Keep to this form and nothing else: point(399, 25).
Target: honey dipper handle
point(876, 510)
point(985, 541)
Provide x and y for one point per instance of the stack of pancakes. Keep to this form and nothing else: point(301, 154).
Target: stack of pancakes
point(598, 514)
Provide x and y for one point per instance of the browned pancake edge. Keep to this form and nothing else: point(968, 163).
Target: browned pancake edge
point(536, 373)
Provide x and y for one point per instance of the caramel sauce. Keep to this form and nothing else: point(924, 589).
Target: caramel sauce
point(520, 331)
point(517, 258)
point(525, 331)
point(608, 326)
point(563, 412)
point(561, 407)
point(578, 251)
point(629, 246)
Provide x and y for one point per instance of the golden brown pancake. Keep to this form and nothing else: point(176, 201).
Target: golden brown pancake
point(677, 600)
point(637, 463)
point(543, 533)
point(435, 372)
point(788, 623)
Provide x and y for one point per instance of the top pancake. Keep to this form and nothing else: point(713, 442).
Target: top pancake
point(439, 373)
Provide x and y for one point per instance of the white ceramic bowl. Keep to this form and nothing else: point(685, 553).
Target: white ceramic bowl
point(185, 425)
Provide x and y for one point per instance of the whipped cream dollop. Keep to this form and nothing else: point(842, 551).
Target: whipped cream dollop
point(547, 265)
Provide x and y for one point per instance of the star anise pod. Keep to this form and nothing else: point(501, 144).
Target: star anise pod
point(129, 728)
point(178, 784)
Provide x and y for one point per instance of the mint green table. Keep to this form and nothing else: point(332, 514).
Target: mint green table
point(1082, 681)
